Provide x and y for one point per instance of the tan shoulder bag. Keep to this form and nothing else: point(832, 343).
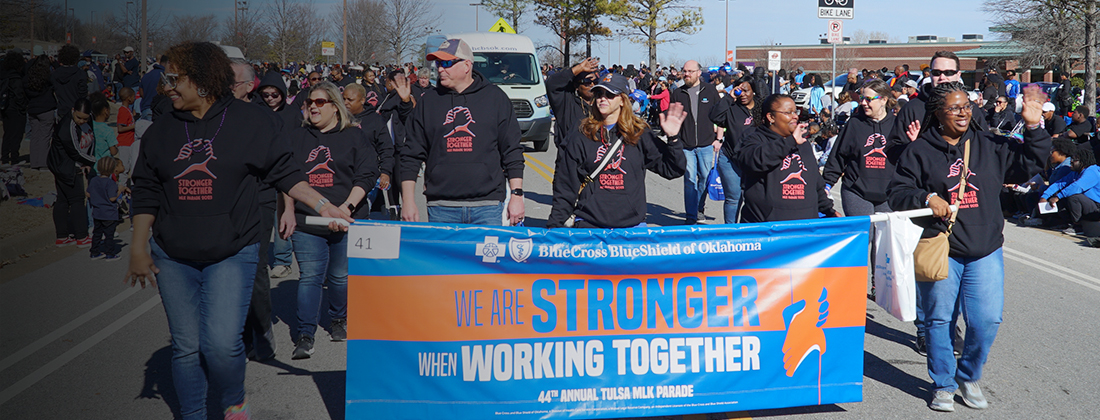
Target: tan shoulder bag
point(930, 259)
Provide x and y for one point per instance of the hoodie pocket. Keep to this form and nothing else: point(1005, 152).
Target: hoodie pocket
point(461, 181)
point(198, 238)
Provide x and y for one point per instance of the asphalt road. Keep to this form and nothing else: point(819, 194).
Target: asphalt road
point(75, 343)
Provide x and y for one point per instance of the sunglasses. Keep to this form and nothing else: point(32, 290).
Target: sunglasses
point(315, 79)
point(869, 98)
point(271, 94)
point(587, 82)
point(938, 72)
point(446, 64)
point(604, 93)
point(320, 102)
point(170, 80)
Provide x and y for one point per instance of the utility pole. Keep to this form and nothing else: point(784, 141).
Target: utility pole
point(144, 36)
point(477, 25)
point(344, 47)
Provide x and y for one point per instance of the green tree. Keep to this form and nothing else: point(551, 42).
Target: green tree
point(574, 20)
point(654, 22)
point(511, 10)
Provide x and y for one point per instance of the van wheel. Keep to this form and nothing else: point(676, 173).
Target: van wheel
point(541, 146)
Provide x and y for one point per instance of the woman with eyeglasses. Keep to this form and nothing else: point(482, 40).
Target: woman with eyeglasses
point(342, 164)
point(859, 154)
point(196, 189)
point(779, 173)
point(930, 173)
point(614, 198)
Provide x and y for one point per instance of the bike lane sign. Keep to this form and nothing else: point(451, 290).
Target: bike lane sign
point(835, 9)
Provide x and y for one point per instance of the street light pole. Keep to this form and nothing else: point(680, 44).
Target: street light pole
point(344, 47)
point(477, 25)
point(727, 27)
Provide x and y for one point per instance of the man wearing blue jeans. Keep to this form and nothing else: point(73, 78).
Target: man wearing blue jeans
point(466, 134)
point(700, 138)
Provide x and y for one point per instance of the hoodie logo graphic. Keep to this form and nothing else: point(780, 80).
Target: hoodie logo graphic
point(198, 153)
point(971, 198)
point(611, 181)
point(372, 98)
point(876, 157)
point(748, 121)
point(794, 186)
point(321, 174)
point(460, 139)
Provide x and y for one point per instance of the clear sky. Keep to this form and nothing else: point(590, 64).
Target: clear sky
point(754, 22)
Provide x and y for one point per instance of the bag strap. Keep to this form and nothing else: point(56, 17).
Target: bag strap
point(962, 184)
point(606, 159)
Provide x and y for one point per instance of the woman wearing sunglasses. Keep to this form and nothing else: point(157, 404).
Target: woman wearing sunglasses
point(196, 188)
point(614, 198)
point(779, 171)
point(859, 154)
point(930, 173)
point(342, 165)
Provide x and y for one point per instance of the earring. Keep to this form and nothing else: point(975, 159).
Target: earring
point(202, 92)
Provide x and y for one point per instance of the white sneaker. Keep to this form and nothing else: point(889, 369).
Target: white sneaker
point(280, 271)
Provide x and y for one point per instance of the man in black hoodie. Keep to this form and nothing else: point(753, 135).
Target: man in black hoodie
point(570, 94)
point(376, 129)
point(69, 82)
point(944, 68)
point(699, 136)
point(467, 133)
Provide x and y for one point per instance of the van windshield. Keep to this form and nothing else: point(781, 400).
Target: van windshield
point(508, 68)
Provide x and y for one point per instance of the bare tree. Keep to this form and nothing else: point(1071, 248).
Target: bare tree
point(557, 16)
point(1060, 34)
point(247, 32)
point(860, 36)
point(654, 22)
point(407, 21)
point(192, 28)
point(511, 10)
point(127, 23)
point(364, 19)
point(295, 31)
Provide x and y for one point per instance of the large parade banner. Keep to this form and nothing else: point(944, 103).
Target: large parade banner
point(450, 321)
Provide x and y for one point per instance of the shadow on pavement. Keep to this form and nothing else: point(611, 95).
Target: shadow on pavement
point(284, 306)
point(830, 408)
point(158, 381)
point(330, 384)
point(888, 334)
point(662, 216)
point(884, 371)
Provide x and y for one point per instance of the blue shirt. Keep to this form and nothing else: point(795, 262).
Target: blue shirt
point(1012, 89)
point(101, 190)
point(149, 86)
point(1087, 183)
point(130, 80)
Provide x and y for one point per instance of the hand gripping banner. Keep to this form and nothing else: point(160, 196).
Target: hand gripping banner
point(477, 322)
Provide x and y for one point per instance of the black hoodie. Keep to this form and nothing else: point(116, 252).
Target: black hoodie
point(930, 164)
point(736, 119)
point(287, 116)
point(914, 111)
point(201, 179)
point(334, 162)
point(860, 156)
point(72, 145)
point(69, 84)
point(616, 197)
point(568, 108)
point(470, 141)
point(697, 131)
point(780, 179)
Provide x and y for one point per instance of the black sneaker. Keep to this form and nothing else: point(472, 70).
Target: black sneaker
point(339, 329)
point(304, 348)
point(922, 346)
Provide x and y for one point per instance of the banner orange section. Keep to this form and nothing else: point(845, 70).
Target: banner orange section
point(514, 306)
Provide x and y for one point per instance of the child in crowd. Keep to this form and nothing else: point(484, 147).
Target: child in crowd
point(126, 150)
point(106, 139)
point(103, 194)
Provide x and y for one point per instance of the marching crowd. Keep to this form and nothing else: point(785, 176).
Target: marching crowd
point(210, 154)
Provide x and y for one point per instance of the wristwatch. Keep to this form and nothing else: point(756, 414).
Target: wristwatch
point(518, 191)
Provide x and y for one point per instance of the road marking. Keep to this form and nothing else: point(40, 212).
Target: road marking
point(1041, 264)
point(535, 164)
point(65, 329)
point(68, 356)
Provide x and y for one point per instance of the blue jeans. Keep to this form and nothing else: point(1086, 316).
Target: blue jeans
point(206, 304)
point(482, 215)
point(699, 162)
point(977, 285)
point(321, 260)
point(731, 187)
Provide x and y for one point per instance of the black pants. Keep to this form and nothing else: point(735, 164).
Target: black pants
point(258, 333)
point(1081, 207)
point(70, 211)
point(103, 237)
point(14, 126)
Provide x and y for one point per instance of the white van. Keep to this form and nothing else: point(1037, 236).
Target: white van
point(511, 62)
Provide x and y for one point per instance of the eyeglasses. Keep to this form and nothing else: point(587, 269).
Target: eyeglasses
point(314, 79)
point(170, 80)
point(604, 93)
point(271, 94)
point(956, 110)
point(869, 98)
point(792, 114)
point(948, 73)
point(320, 102)
point(446, 64)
